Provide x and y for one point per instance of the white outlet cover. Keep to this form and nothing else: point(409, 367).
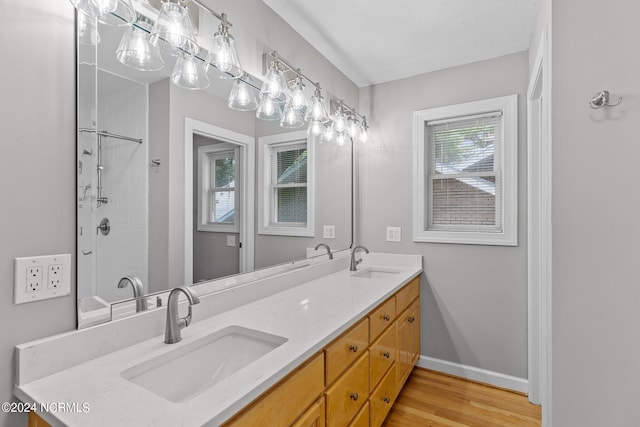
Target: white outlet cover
point(329, 231)
point(231, 240)
point(56, 266)
point(394, 234)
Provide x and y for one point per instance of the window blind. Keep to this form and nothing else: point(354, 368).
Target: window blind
point(289, 184)
point(463, 180)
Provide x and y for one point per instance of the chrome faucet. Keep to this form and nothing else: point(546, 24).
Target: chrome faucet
point(324, 245)
point(354, 263)
point(136, 284)
point(175, 324)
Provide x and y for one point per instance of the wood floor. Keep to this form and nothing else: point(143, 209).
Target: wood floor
point(431, 399)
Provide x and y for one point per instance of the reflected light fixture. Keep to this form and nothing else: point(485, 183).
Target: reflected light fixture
point(364, 131)
point(315, 129)
point(316, 112)
point(328, 135)
point(353, 127)
point(135, 51)
point(339, 120)
point(173, 31)
point(189, 73)
point(223, 54)
point(110, 12)
point(269, 108)
point(292, 117)
point(242, 97)
point(88, 30)
point(298, 98)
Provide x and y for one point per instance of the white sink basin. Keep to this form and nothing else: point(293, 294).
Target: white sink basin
point(375, 273)
point(184, 373)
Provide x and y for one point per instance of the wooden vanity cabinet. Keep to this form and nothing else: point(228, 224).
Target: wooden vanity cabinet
point(285, 402)
point(357, 377)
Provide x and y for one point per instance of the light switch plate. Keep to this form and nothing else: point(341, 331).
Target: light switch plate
point(329, 231)
point(394, 234)
point(41, 277)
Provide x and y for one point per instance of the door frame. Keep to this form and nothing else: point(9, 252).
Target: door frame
point(247, 172)
point(539, 241)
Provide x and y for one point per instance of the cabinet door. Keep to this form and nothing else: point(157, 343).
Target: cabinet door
point(382, 398)
point(284, 402)
point(408, 341)
point(314, 417)
point(343, 351)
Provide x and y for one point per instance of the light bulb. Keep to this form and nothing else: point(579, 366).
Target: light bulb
point(328, 134)
point(274, 84)
point(339, 124)
point(298, 98)
point(189, 74)
point(269, 109)
point(104, 6)
point(315, 128)
point(341, 138)
point(363, 135)
point(292, 118)
point(353, 128)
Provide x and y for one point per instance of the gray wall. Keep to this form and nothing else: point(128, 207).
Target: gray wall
point(212, 258)
point(596, 273)
point(37, 167)
point(474, 298)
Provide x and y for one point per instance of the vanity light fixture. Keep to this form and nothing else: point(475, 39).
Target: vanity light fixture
point(242, 96)
point(316, 113)
point(275, 85)
point(223, 54)
point(364, 131)
point(111, 12)
point(135, 50)
point(173, 31)
point(292, 117)
point(353, 127)
point(268, 108)
point(339, 120)
point(189, 73)
point(298, 98)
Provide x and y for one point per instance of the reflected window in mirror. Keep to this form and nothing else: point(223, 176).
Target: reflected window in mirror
point(218, 188)
point(286, 180)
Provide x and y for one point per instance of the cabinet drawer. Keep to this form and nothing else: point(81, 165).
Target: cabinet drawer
point(284, 402)
point(382, 354)
point(407, 294)
point(348, 394)
point(362, 418)
point(382, 398)
point(345, 349)
point(381, 318)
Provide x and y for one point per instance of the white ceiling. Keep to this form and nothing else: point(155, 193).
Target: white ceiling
point(375, 41)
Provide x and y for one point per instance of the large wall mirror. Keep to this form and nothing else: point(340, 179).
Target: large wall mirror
point(176, 188)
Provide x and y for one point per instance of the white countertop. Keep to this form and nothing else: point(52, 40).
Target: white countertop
point(309, 315)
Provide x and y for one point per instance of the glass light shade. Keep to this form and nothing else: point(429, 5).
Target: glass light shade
point(242, 97)
point(339, 121)
point(292, 118)
point(363, 135)
point(223, 56)
point(173, 31)
point(136, 52)
point(315, 129)
point(189, 73)
point(316, 111)
point(88, 30)
point(298, 98)
point(269, 108)
point(353, 128)
point(95, 8)
point(123, 15)
point(275, 85)
point(341, 138)
point(328, 135)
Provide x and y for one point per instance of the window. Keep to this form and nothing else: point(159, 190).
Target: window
point(218, 203)
point(286, 182)
point(465, 173)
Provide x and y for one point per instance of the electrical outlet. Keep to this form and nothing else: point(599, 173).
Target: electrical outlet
point(33, 279)
point(231, 240)
point(31, 274)
point(54, 276)
point(394, 234)
point(329, 231)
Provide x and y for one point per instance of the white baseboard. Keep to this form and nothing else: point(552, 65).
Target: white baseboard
point(476, 374)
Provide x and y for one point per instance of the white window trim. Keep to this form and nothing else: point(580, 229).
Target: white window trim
point(264, 191)
point(204, 182)
point(509, 163)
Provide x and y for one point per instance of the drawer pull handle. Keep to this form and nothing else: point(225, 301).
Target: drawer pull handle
point(386, 317)
point(411, 319)
point(386, 355)
point(353, 348)
point(354, 396)
point(387, 400)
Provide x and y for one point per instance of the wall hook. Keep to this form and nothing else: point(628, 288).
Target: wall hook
point(601, 100)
